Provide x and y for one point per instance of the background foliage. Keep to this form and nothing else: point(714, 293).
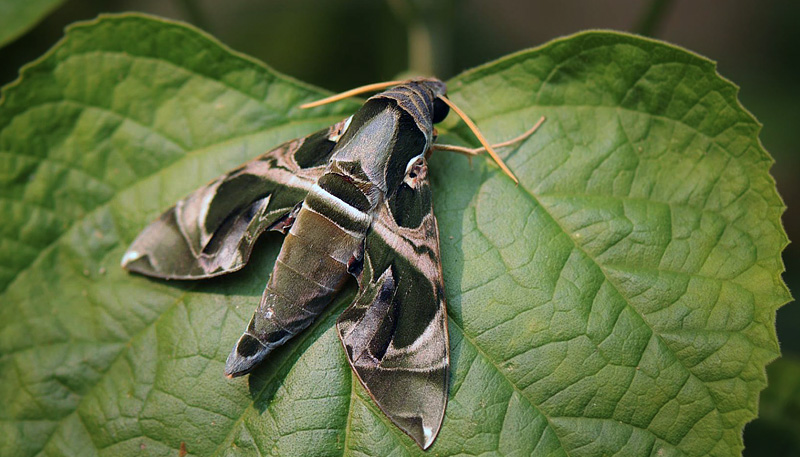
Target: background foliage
point(756, 46)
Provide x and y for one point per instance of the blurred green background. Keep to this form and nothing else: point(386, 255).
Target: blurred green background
point(340, 44)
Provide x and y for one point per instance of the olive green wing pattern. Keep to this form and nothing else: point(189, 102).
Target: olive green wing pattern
point(395, 333)
point(212, 231)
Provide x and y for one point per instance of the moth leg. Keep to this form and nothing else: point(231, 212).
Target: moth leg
point(356, 263)
point(287, 220)
point(470, 152)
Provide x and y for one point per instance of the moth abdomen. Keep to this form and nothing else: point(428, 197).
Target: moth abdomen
point(311, 268)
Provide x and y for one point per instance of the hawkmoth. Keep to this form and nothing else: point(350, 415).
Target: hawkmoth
point(353, 200)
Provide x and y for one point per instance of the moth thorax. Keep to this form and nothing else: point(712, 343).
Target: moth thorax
point(418, 100)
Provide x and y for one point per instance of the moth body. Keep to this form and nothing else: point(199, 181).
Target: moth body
point(353, 200)
point(370, 161)
point(311, 268)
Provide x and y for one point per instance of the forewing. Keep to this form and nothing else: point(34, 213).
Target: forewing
point(395, 333)
point(212, 231)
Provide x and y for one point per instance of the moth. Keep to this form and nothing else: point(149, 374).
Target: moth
point(353, 200)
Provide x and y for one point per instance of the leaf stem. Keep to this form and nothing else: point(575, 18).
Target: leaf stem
point(195, 14)
point(653, 17)
point(429, 29)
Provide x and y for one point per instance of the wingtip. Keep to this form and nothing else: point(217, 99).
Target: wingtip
point(429, 437)
point(424, 437)
point(245, 356)
point(129, 257)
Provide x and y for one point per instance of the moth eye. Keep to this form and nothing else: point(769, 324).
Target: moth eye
point(440, 110)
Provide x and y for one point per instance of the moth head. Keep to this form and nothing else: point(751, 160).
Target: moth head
point(438, 90)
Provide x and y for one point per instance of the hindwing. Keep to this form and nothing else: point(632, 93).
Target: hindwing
point(395, 333)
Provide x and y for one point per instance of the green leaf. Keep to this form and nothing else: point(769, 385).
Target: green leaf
point(620, 300)
point(18, 16)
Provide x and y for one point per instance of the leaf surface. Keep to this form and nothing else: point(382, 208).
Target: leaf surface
point(620, 300)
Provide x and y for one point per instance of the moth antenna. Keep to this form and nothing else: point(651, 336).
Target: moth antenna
point(351, 93)
point(480, 137)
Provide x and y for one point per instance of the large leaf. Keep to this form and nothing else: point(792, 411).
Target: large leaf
point(620, 300)
point(17, 16)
